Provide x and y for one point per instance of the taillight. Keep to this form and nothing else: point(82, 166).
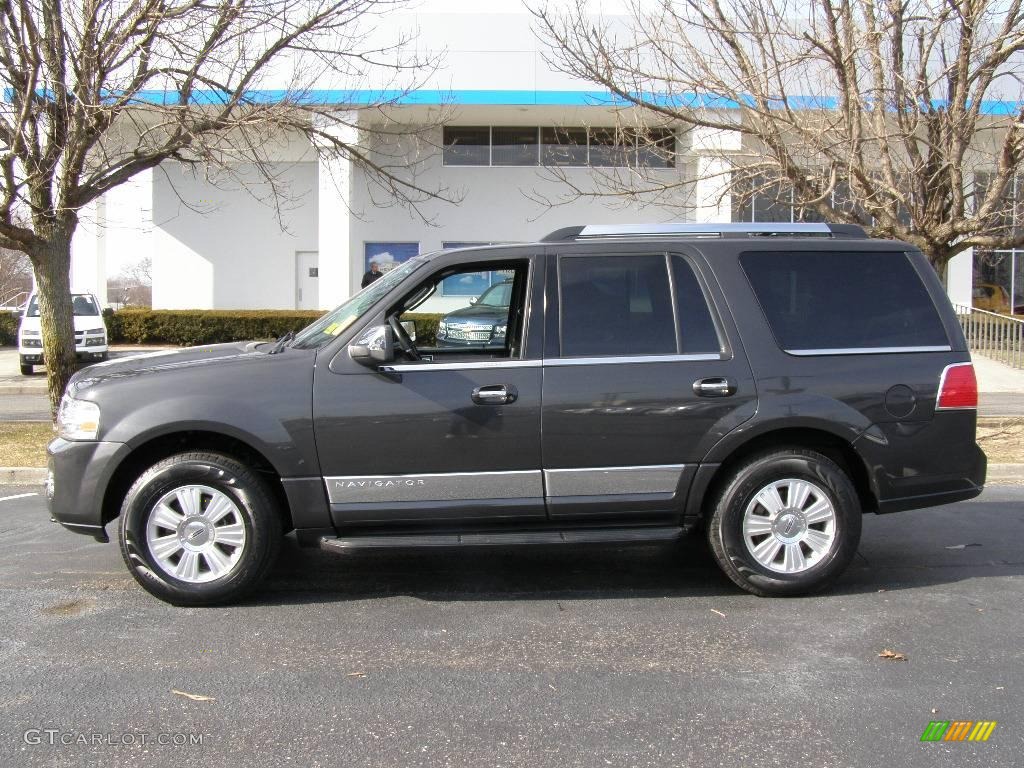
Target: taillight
point(958, 387)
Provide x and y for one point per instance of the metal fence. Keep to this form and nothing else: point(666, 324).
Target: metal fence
point(993, 335)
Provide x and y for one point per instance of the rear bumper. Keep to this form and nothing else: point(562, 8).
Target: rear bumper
point(924, 465)
point(77, 479)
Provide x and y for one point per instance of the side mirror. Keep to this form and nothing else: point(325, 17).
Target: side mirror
point(410, 329)
point(474, 300)
point(375, 345)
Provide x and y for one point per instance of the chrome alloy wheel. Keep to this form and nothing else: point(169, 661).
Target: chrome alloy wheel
point(195, 533)
point(789, 526)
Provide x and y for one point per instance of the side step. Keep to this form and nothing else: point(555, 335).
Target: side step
point(501, 539)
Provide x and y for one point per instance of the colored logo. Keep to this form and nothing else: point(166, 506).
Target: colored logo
point(958, 730)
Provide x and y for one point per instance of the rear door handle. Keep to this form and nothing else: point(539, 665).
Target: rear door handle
point(715, 386)
point(495, 394)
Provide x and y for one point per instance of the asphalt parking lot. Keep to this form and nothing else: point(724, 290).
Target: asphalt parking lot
point(520, 657)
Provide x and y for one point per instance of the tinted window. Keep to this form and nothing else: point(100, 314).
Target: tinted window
point(844, 300)
point(467, 146)
point(563, 146)
point(514, 146)
point(697, 333)
point(615, 305)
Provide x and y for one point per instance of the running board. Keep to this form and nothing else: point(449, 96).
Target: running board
point(501, 539)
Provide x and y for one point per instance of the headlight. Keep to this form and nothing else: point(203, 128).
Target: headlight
point(442, 330)
point(499, 331)
point(78, 419)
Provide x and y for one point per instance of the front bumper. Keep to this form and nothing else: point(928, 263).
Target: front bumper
point(35, 356)
point(77, 479)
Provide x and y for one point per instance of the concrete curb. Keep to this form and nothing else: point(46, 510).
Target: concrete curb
point(1011, 474)
point(22, 475)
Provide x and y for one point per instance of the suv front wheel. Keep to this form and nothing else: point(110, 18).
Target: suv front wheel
point(199, 529)
point(786, 522)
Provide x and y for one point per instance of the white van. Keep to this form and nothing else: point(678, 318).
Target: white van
point(90, 332)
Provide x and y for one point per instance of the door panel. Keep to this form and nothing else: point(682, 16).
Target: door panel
point(442, 439)
point(623, 433)
point(641, 418)
point(413, 445)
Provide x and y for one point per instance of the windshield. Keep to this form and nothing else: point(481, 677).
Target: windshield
point(82, 305)
point(496, 296)
point(333, 323)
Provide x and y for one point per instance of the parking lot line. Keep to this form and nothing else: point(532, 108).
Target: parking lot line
point(19, 496)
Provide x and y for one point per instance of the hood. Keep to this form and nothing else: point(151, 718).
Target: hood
point(89, 322)
point(170, 360)
point(477, 312)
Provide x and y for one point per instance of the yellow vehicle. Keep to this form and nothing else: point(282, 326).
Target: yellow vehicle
point(991, 297)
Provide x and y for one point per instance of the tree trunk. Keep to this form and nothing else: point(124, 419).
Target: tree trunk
point(53, 282)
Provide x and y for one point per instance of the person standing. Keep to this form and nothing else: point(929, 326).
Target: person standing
point(373, 275)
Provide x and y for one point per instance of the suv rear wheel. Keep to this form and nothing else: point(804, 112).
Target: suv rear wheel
point(786, 522)
point(199, 529)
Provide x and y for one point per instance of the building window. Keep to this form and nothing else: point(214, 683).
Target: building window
point(514, 146)
point(998, 284)
point(609, 147)
point(656, 148)
point(563, 146)
point(467, 145)
point(529, 145)
point(388, 255)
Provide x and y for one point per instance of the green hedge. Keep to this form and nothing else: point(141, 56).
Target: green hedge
point(188, 327)
point(9, 328)
point(426, 327)
point(195, 326)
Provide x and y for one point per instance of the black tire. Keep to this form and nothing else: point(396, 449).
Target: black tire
point(27, 369)
point(725, 526)
point(253, 503)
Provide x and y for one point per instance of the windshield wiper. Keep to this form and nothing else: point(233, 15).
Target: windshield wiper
point(281, 343)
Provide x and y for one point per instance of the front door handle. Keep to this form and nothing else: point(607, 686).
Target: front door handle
point(495, 394)
point(715, 386)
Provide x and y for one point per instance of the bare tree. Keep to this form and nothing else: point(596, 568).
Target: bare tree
point(883, 113)
point(15, 275)
point(100, 90)
point(133, 286)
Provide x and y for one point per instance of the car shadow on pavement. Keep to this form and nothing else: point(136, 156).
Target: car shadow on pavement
point(891, 558)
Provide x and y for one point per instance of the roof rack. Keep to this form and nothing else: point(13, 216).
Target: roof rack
point(705, 230)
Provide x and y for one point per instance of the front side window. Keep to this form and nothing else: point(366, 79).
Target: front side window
point(817, 301)
point(615, 306)
point(333, 323)
point(470, 312)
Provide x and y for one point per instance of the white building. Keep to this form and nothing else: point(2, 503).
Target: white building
point(217, 246)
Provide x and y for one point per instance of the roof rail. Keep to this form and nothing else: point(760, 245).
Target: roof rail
point(705, 230)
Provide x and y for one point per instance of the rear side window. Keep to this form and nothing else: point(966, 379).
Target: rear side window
point(697, 333)
point(838, 300)
point(616, 305)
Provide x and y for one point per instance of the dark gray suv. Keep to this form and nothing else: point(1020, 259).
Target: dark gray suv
point(767, 384)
